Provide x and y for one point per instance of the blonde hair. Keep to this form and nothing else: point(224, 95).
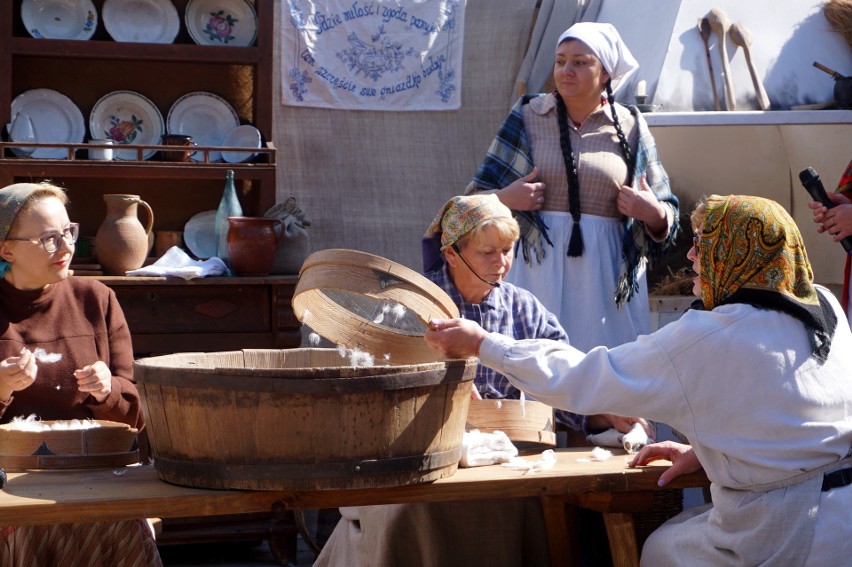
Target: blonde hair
point(699, 214)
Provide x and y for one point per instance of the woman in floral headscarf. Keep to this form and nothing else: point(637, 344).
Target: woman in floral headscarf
point(757, 380)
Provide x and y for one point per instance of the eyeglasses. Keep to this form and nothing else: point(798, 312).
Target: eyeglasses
point(50, 241)
point(695, 241)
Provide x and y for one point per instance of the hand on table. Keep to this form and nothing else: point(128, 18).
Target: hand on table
point(622, 424)
point(682, 456)
point(95, 379)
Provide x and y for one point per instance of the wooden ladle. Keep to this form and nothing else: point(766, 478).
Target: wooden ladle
point(742, 37)
point(706, 32)
point(720, 23)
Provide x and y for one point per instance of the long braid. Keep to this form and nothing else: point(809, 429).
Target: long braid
point(575, 244)
point(622, 139)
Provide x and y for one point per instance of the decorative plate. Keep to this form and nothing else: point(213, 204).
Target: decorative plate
point(221, 22)
point(59, 19)
point(55, 119)
point(199, 234)
point(141, 21)
point(245, 136)
point(127, 117)
point(204, 116)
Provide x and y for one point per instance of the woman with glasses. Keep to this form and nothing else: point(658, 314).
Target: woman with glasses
point(65, 353)
point(757, 379)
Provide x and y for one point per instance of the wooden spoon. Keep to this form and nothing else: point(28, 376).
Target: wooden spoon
point(720, 23)
point(742, 37)
point(705, 31)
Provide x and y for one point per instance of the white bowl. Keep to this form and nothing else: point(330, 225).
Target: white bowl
point(245, 136)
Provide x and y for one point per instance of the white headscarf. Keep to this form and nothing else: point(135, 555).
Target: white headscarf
point(608, 47)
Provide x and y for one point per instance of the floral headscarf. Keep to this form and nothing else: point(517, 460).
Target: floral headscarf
point(751, 251)
point(456, 218)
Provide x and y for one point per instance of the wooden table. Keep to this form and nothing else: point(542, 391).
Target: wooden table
point(45, 497)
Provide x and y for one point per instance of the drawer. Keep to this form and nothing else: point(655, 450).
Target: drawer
point(194, 309)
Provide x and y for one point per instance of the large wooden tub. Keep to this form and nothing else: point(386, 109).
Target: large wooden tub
point(298, 420)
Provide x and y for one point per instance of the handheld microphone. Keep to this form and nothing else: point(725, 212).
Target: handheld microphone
point(472, 271)
point(811, 182)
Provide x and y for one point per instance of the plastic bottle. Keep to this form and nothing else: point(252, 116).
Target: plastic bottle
point(229, 206)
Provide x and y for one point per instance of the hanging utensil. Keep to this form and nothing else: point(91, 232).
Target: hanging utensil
point(720, 23)
point(705, 31)
point(742, 37)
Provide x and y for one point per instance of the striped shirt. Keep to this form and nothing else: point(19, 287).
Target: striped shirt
point(516, 313)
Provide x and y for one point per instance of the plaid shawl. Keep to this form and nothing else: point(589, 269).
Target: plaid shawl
point(509, 157)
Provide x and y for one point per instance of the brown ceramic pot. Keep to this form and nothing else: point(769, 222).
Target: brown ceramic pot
point(122, 243)
point(252, 244)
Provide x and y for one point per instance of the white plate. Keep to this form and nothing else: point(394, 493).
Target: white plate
point(60, 19)
point(55, 119)
point(245, 136)
point(204, 116)
point(221, 22)
point(141, 21)
point(199, 234)
point(127, 117)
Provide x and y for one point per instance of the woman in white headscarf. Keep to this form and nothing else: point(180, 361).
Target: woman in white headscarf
point(581, 173)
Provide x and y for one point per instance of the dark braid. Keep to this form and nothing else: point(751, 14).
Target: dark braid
point(575, 245)
point(622, 139)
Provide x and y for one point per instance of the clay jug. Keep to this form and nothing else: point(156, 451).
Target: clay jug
point(252, 244)
point(122, 243)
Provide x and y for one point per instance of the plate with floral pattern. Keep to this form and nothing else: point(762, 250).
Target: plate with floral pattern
point(221, 22)
point(59, 19)
point(127, 117)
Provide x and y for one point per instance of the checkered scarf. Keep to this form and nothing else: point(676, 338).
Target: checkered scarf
point(510, 157)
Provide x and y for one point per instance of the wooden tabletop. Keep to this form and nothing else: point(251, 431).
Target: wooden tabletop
point(43, 497)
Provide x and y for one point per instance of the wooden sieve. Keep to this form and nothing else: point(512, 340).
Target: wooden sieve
point(366, 302)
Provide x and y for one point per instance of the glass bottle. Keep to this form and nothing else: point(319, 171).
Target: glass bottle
point(229, 206)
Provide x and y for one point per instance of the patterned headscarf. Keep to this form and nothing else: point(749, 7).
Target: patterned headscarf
point(461, 214)
point(607, 45)
point(751, 251)
point(12, 200)
point(458, 217)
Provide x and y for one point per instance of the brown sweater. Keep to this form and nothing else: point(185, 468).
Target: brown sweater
point(81, 320)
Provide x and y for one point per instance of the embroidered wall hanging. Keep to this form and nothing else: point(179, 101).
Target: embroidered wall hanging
point(372, 55)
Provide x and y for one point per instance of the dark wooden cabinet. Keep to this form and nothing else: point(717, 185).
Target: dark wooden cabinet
point(168, 315)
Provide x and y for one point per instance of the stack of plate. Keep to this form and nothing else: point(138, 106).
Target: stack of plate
point(59, 19)
point(141, 21)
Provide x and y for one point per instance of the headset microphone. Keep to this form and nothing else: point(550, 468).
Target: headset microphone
point(458, 251)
